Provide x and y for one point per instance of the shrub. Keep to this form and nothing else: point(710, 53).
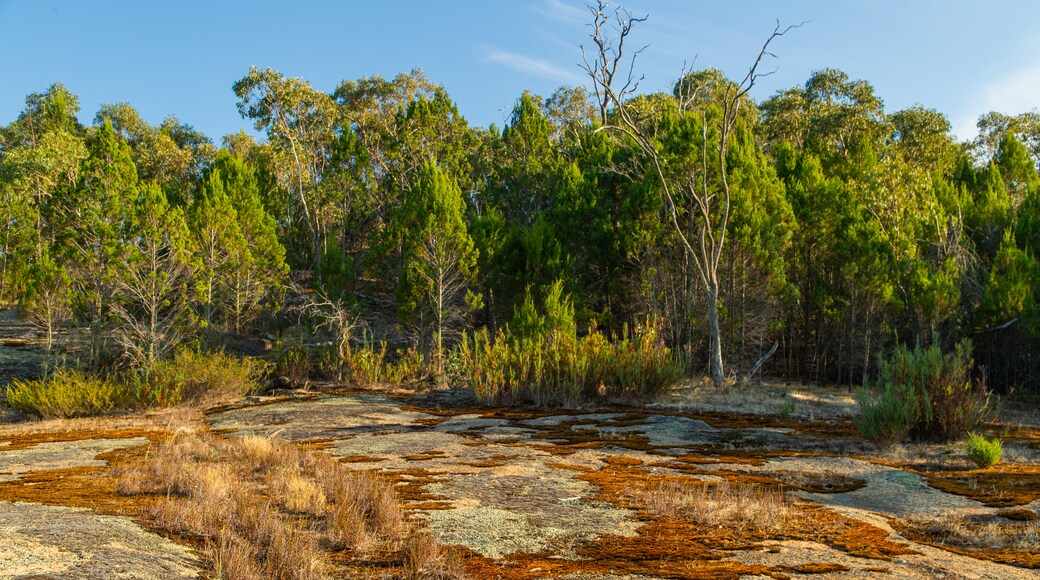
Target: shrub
point(559, 368)
point(371, 365)
point(65, 394)
point(292, 361)
point(200, 378)
point(886, 419)
point(983, 452)
point(924, 394)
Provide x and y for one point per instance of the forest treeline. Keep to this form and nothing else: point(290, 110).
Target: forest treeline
point(849, 230)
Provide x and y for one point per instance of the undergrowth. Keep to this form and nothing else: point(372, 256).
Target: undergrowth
point(199, 378)
point(190, 378)
point(924, 394)
point(67, 393)
point(562, 369)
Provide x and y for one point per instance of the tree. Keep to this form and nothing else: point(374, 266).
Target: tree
point(93, 245)
point(46, 299)
point(154, 289)
point(705, 240)
point(298, 118)
point(220, 247)
point(440, 258)
point(261, 270)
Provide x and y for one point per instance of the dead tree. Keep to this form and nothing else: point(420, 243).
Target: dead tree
point(703, 235)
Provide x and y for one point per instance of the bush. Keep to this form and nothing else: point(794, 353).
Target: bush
point(292, 361)
point(65, 394)
point(982, 451)
point(926, 395)
point(200, 378)
point(559, 368)
point(371, 365)
point(886, 419)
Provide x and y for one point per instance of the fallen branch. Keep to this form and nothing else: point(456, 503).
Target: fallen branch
point(761, 361)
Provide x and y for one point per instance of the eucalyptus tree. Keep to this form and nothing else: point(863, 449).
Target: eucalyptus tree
point(300, 121)
point(703, 229)
point(40, 158)
point(172, 154)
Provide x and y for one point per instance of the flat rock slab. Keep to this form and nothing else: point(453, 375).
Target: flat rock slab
point(59, 455)
point(502, 484)
point(318, 418)
point(56, 542)
point(889, 491)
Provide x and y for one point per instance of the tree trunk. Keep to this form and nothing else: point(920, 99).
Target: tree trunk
point(715, 355)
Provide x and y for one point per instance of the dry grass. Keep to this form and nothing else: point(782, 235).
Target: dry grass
point(267, 509)
point(977, 533)
point(757, 508)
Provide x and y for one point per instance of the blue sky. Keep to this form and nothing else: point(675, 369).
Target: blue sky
point(960, 57)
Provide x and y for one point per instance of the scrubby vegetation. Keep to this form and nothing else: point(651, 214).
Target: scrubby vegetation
point(814, 220)
point(924, 394)
point(200, 379)
point(563, 369)
point(983, 452)
point(67, 393)
point(192, 377)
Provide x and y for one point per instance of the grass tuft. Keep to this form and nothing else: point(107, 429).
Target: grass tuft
point(558, 368)
point(757, 508)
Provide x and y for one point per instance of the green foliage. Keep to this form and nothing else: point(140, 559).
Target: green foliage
point(886, 418)
point(292, 361)
point(371, 366)
point(925, 394)
point(67, 393)
point(440, 259)
point(847, 226)
point(199, 379)
point(983, 452)
point(564, 370)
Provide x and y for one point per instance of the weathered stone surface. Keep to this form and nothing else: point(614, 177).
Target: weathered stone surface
point(59, 455)
point(58, 542)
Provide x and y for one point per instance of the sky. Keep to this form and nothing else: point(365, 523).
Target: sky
point(960, 57)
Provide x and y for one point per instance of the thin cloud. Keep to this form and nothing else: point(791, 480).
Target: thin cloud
point(533, 66)
point(1011, 94)
point(563, 11)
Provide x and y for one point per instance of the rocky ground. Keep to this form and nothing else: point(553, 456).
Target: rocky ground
point(528, 494)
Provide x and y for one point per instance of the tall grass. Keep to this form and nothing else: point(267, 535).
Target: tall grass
point(371, 365)
point(267, 509)
point(190, 378)
point(559, 368)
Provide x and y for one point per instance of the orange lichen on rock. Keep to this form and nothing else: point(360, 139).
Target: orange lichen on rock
point(1005, 485)
point(360, 459)
point(29, 439)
